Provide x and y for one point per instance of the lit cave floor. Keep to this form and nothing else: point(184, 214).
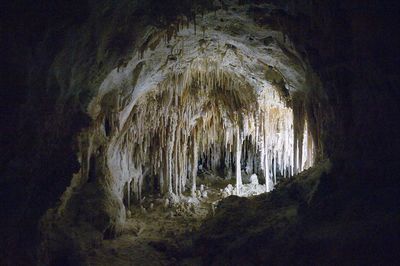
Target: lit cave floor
point(157, 237)
point(161, 235)
point(193, 234)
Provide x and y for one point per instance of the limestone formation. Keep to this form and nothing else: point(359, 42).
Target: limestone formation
point(253, 179)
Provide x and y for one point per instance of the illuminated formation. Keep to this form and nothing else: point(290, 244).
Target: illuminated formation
point(210, 116)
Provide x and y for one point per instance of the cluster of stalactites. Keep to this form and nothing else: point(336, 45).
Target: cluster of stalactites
point(205, 114)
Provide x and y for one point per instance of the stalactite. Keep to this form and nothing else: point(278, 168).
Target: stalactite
point(205, 113)
point(238, 156)
point(275, 168)
point(129, 195)
point(266, 162)
point(194, 164)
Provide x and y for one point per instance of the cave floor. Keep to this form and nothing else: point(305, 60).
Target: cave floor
point(157, 236)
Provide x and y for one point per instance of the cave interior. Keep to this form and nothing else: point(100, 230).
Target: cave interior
point(167, 132)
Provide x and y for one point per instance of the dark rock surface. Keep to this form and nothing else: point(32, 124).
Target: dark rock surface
point(299, 223)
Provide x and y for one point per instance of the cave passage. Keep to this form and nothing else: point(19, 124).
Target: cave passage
point(228, 102)
point(190, 118)
point(209, 120)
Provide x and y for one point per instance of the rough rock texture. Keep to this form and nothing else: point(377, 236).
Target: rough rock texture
point(261, 230)
point(292, 225)
point(60, 55)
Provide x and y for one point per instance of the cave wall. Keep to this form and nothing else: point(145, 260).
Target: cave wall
point(352, 48)
point(45, 92)
point(49, 51)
